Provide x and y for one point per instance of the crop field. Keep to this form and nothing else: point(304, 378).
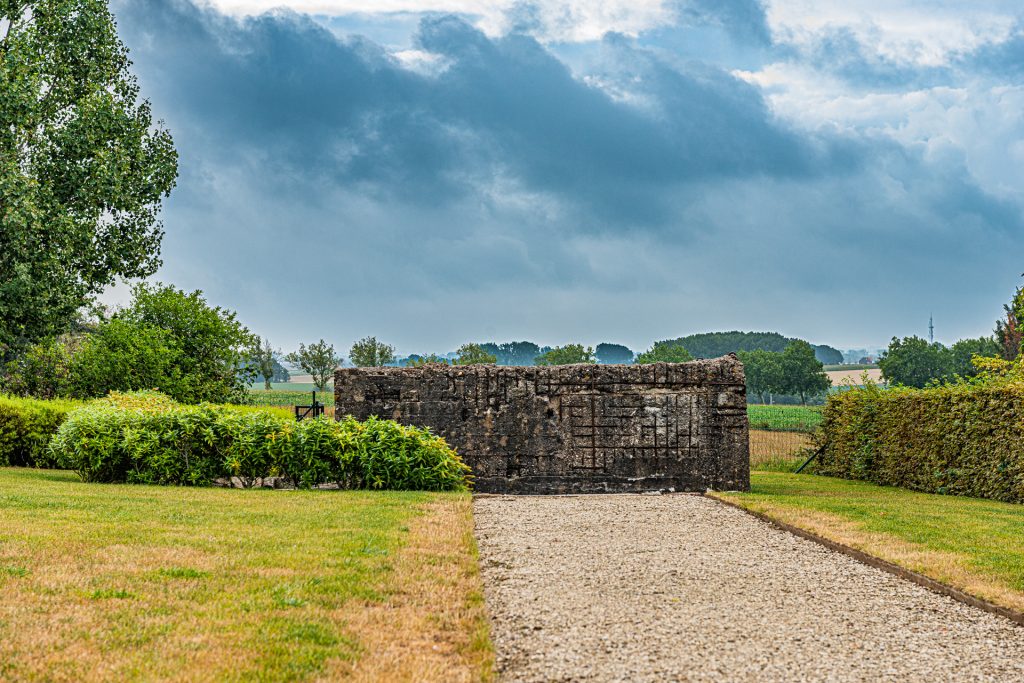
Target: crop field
point(855, 377)
point(291, 386)
point(777, 451)
point(287, 399)
point(784, 418)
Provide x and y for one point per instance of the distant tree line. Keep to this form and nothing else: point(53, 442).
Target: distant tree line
point(715, 344)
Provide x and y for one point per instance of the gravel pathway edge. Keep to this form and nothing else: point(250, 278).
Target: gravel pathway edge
point(886, 566)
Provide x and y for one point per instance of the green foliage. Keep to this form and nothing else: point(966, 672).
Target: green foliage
point(794, 372)
point(170, 340)
point(26, 426)
point(42, 371)
point(664, 352)
point(415, 361)
point(763, 370)
point(609, 354)
point(784, 418)
point(715, 344)
point(83, 167)
point(319, 360)
point(964, 351)
point(566, 355)
point(264, 360)
point(370, 353)
point(147, 439)
point(1009, 332)
point(513, 353)
point(122, 356)
point(802, 373)
point(913, 362)
point(963, 439)
point(474, 354)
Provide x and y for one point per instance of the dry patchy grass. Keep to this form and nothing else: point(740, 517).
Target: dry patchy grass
point(776, 450)
point(115, 582)
point(967, 543)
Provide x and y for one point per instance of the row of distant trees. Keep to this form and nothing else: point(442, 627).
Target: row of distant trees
point(915, 362)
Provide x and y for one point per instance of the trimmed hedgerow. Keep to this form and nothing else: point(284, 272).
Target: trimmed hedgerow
point(157, 442)
point(958, 439)
point(26, 426)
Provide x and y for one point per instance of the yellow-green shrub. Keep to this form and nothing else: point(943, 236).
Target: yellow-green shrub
point(141, 439)
point(26, 426)
point(958, 439)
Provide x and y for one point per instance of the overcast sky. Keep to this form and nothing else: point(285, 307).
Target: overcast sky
point(435, 172)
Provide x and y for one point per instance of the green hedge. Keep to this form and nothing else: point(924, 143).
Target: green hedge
point(155, 443)
point(962, 440)
point(26, 426)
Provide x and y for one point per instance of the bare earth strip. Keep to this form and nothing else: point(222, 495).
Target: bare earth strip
point(680, 587)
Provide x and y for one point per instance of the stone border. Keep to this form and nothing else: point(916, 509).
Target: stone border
point(886, 566)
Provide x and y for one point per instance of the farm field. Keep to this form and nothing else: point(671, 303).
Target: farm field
point(118, 582)
point(841, 377)
point(291, 386)
point(968, 543)
point(777, 451)
point(781, 418)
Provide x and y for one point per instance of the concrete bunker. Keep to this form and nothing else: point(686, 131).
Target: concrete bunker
point(572, 428)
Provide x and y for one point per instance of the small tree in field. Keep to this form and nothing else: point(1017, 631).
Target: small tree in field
point(474, 354)
point(803, 374)
point(763, 370)
point(266, 361)
point(370, 353)
point(318, 360)
point(567, 355)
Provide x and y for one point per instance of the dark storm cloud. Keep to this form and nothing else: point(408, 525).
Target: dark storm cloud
point(494, 192)
point(285, 88)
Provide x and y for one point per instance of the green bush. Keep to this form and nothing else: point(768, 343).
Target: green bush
point(114, 440)
point(26, 426)
point(957, 439)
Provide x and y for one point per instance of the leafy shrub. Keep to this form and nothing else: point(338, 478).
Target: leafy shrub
point(26, 426)
point(143, 439)
point(958, 439)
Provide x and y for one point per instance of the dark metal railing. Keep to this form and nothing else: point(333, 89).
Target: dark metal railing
point(315, 410)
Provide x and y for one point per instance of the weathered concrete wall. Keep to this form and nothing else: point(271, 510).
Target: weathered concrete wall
point(572, 428)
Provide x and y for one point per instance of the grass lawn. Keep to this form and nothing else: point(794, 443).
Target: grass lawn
point(123, 582)
point(972, 544)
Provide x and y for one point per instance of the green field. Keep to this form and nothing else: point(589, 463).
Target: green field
point(784, 418)
point(291, 386)
point(280, 397)
point(851, 366)
point(969, 543)
point(119, 582)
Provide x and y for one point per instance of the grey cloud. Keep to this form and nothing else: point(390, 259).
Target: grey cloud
point(506, 196)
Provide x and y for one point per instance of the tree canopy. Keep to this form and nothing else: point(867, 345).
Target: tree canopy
point(474, 354)
point(567, 355)
point(714, 344)
point(664, 352)
point(370, 353)
point(83, 167)
point(611, 354)
point(319, 360)
point(513, 353)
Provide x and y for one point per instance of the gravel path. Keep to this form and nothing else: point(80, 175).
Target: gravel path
point(680, 587)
